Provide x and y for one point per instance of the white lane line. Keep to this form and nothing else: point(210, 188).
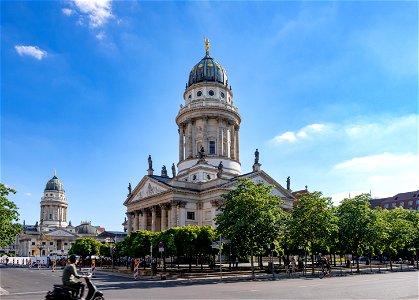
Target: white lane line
point(28, 293)
point(3, 292)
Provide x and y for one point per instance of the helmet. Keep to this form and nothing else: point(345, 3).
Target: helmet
point(73, 258)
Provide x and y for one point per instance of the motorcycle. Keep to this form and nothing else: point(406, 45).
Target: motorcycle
point(62, 292)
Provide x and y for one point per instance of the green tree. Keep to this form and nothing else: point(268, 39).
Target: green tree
point(203, 242)
point(355, 225)
point(251, 217)
point(85, 247)
point(105, 250)
point(140, 243)
point(399, 232)
point(184, 242)
point(8, 216)
point(312, 223)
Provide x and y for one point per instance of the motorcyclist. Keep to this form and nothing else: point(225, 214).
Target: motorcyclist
point(69, 277)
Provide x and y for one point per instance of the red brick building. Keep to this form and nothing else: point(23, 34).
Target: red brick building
point(408, 200)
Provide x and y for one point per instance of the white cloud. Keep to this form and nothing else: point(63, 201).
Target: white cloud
point(286, 137)
point(378, 162)
point(385, 174)
point(308, 131)
point(98, 12)
point(383, 131)
point(33, 51)
point(28, 194)
point(67, 11)
point(100, 36)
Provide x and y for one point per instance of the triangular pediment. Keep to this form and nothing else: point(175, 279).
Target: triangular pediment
point(147, 187)
point(60, 233)
point(261, 176)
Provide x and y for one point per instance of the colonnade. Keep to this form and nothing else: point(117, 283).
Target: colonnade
point(59, 213)
point(157, 217)
point(188, 137)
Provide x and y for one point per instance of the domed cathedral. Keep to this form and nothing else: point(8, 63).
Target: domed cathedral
point(209, 158)
point(54, 204)
point(53, 234)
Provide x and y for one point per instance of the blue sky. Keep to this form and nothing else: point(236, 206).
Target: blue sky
point(327, 91)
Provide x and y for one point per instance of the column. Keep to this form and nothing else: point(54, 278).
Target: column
point(189, 140)
point(136, 220)
point(153, 219)
point(236, 133)
point(144, 219)
point(205, 134)
point(181, 146)
point(219, 138)
point(129, 223)
point(215, 204)
point(232, 142)
point(182, 213)
point(173, 213)
point(163, 219)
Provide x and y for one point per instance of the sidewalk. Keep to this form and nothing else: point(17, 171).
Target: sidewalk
point(236, 275)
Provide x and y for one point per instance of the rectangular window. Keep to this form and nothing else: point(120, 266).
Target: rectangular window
point(65, 244)
point(386, 205)
point(401, 203)
point(212, 147)
point(190, 215)
point(410, 203)
point(33, 243)
point(417, 202)
point(43, 243)
point(393, 204)
point(51, 243)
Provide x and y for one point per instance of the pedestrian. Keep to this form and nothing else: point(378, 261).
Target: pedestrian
point(293, 264)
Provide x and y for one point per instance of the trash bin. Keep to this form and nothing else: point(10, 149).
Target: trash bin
point(154, 268)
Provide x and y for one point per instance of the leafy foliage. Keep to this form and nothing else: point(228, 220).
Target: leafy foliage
point(86, 247)
point(251, 217)
point(312, 223)
point(8, 216)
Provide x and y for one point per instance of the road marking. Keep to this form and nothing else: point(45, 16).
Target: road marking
point(28, 293)
point(3, 292)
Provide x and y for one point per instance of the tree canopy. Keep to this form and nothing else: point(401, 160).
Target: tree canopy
point(8, 217)
point(251, 217)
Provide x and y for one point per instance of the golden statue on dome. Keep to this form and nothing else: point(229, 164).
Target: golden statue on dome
point(207, 45)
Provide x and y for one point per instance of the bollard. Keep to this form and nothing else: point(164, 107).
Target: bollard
point(93, 267)
point(30, 263)
point(136, 269)
point(54, 265)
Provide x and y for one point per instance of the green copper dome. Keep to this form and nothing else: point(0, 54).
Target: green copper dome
point(207, 70)
point(54, 184)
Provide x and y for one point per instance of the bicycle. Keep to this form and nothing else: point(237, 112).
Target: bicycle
point(325, 271)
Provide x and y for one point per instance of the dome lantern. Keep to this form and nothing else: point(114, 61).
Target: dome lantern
point(207, 70)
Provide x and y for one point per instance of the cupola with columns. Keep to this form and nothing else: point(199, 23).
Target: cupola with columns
point(208, 125)
point(54, 204)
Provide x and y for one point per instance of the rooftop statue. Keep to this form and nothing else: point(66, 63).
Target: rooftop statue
point(256, 156)
point(173, 170)
point(150, 163)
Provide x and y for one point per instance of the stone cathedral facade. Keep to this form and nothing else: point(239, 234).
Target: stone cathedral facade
point(209, 159)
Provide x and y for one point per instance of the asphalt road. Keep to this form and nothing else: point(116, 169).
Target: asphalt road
point(33, 284)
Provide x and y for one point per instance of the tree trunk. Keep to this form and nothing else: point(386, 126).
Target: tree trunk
point(251, 260)
point(312, 263)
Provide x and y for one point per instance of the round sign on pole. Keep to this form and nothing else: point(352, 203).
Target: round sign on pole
point(161, 247)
